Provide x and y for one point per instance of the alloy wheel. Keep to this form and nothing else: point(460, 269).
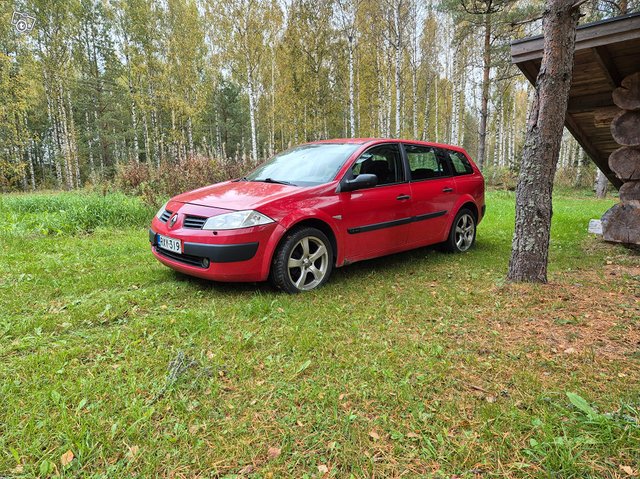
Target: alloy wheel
point(308, 263)
point(465, 232)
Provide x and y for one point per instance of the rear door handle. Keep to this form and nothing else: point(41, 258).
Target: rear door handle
point(403, 197)
point(448, 189)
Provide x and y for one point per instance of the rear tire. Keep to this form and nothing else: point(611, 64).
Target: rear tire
point(463, 232)
point(303, 261)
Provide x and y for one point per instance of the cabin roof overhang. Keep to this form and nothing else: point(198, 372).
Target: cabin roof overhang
point(606, 52)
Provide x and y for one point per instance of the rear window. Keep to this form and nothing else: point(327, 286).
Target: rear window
point(425, 162)
point(461, 165)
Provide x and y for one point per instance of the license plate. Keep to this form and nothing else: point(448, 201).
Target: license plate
point(170, 244)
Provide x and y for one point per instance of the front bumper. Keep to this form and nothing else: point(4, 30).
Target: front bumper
point(215, 253)
point(234, 255)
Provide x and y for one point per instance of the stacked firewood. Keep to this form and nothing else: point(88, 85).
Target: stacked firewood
point(622, 222)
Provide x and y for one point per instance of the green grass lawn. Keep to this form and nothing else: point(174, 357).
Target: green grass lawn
point(420, 364)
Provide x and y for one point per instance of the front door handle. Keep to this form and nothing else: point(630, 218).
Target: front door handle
point(448, 189)
point(403, 197)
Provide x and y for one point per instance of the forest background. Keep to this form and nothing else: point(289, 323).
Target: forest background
point(157, 96)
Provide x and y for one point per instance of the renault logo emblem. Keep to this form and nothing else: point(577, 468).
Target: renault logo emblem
point(173, 220)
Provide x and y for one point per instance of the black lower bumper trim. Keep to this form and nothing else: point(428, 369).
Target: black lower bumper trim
point(222, 253)
point(216, 253)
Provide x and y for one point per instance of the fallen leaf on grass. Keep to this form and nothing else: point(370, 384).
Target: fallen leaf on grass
point(133, 452)
point(273, 452)
point(304, 366)
point(413, 435)
point(248, 469)
point(628, 470)
point(323, 469)
point(66, 458)
point(374, 435)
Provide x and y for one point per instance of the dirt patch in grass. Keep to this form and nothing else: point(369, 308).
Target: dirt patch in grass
point(581, 312)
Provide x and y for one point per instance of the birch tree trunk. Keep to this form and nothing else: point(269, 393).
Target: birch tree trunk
point(134, 125)
point(530, 248)
point(602, 184)
point(352, 114)
point(484, 107)
point(252, 114)
point(425, 124)
point(64, 140)
point(73, 142)
point(29, 148)
point(190, 136)
point(437, 118)
point(397, 64)
point(55, 139)
point(92, 170)
point(147, 143)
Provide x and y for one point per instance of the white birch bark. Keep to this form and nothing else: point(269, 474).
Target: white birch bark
point(352, 116)
point(252, 114)
point(397, 64)
point(190, 136)
point(92, 170)
point(437, 117)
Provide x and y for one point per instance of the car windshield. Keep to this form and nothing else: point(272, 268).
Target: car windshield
point(305, 165)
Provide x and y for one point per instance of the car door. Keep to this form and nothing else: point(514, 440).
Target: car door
point(376, 220)
point(433, 194)
point(466, 181)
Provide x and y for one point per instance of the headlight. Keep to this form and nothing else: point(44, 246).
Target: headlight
point(237, 219)
point(161, 210)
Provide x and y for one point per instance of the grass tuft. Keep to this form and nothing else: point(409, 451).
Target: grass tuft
point(71, 213)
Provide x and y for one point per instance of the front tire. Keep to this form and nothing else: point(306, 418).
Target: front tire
point(463, 232)
point(303, 261)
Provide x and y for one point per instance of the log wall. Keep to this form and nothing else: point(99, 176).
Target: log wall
point(622, 222)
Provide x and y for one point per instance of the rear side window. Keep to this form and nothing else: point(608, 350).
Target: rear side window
point(425, 162)
point(384, 161)
point(460, 163)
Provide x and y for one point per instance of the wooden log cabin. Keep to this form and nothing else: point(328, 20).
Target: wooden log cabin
point(603, 112)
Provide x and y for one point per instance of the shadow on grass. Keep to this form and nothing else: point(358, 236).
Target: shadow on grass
point(425, 257)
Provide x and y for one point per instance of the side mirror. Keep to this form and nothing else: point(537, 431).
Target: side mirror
point(359, 182)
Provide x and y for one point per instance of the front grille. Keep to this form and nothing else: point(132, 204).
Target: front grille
point(166, 214)
point(181, 258)
point(196, 222)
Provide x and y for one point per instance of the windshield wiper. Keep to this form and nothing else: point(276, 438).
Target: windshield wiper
point(271, 180)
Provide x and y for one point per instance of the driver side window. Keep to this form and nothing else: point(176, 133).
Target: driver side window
point(384, 161)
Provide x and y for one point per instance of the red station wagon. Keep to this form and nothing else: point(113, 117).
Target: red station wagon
point(322, 205)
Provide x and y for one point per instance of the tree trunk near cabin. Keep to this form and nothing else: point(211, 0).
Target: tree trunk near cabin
point(530, 248)
point(602, 185)
point(484, 108)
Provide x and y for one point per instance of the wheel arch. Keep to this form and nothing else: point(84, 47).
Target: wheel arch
point(313, 223)
point(470, 205)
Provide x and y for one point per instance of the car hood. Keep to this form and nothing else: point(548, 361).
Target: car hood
point(237, 195)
